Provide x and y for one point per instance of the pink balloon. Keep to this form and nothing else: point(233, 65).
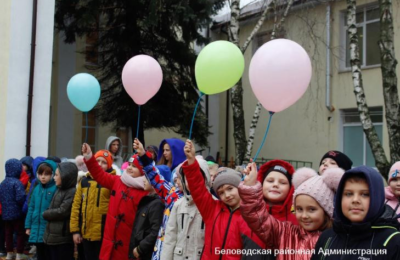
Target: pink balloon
point(142, 77)
point(280, 72)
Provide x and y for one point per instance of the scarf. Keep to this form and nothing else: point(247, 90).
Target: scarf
point(137, 183)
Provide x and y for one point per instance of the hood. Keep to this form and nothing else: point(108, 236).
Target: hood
point(266, 166)
point(36, 162)
point(389, 194)
point(281, 212)
point(176, 145)
point(205, 173)
point(69, 175)
point(53, 166)
point(165, 171)
point(13, 168)
point(27, 160)
point(111, 139)
point(376, 191)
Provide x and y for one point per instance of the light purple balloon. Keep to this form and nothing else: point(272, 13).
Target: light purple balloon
point(280, 72)
point(142, 77)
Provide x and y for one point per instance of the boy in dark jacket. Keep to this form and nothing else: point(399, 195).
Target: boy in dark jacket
point(57, 235)
point(148, 220)
point(12, 197)
point(359, 230)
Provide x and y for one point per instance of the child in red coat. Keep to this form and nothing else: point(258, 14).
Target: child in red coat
point(126, 193)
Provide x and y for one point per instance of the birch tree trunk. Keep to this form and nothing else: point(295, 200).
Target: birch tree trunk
point(237, 90)
point(257, 111)
point(389, 79)
point(365, 118)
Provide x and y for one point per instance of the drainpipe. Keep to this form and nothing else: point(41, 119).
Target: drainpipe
point(31, 78)
point(328, 59)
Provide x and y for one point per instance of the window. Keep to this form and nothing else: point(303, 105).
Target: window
point(91, 129)
point(368, 27)
point(264, 37)
point(123, 134)
point(355, 143)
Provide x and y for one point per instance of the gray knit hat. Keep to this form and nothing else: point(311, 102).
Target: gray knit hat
point(227, 176)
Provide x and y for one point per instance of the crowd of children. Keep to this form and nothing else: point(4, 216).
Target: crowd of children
point(168, 203)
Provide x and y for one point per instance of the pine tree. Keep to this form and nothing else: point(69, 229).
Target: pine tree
point(165, 30)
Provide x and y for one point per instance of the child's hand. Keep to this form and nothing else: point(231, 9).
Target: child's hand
point(86, 151)
point(135, 253)
point(138, 146)
point(28, 232)
point(77, 238)
point(189, 151)
point(251, 174)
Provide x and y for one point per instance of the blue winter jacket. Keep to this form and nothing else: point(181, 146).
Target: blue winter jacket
point(12, 192)
point(40, 201)
point(35, 165)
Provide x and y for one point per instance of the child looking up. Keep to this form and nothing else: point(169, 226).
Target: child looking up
point(360, 203)
point(126, 193)
point(334, 159)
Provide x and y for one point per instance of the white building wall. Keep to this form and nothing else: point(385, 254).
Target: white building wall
point(20, 27)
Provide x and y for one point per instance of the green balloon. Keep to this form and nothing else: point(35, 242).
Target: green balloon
point(219, 67)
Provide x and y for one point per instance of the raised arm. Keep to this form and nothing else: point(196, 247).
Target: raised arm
point(103, 178)
point(161, 186)
point(201, 196)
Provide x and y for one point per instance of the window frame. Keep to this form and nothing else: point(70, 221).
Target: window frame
point(343, 35)
point(358, 124)
point(93, 146)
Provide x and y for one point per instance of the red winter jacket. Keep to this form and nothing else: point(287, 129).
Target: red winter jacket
point(24, 179)
point(120, 215)
point(224, 229)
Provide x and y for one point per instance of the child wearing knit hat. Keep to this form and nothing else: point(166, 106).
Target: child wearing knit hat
point(125, 194)
point(392, 192)
point(226, 233)
point(90, 205)
point(360, 230)
point(313, 201)
point(334, 159)
point(166, 192)
point(276, 179)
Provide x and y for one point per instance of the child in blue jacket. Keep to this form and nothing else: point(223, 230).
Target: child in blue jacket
point(41, 197)
point(12, 197)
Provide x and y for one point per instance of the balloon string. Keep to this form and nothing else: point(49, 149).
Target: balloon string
point(194, 114)
point(265, 136)
point(138, 122)
point(87, 126)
